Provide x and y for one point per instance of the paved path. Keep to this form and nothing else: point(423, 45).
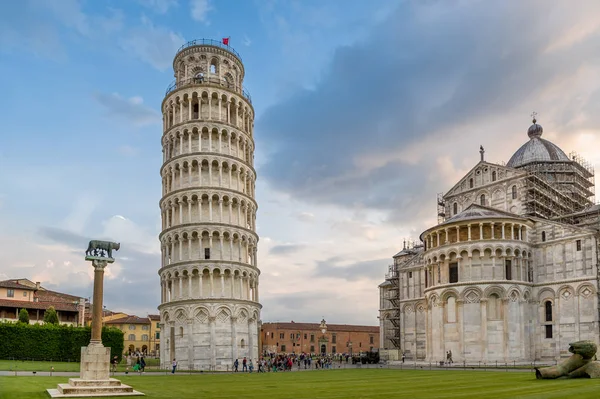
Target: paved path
point(406, 366)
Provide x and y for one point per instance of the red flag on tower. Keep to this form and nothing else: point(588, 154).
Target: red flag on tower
point(226, 41)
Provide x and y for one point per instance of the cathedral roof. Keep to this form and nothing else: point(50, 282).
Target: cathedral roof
point(475, 211)
point(536, 149)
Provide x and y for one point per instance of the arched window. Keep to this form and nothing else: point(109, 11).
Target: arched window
point(453, 272)
point(213, 66)
point(471, 183)
point(455, 209)
point(514, 192)
point(543, 236)
point(494, 176)
point(548, 310)
point(482, 199)
point(181, 331)
point(131, 337)
point(242, 343)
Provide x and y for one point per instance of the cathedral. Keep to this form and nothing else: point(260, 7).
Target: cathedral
point(509, 273)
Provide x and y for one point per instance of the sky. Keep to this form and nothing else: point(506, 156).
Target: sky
point(364, 112)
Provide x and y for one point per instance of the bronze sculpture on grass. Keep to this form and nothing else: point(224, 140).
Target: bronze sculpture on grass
point(582, 364)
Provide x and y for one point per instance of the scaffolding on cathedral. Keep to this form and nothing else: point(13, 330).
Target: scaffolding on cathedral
point(557, 189)
point(409, 254)
point(561, 191)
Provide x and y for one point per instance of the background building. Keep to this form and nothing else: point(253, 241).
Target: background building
point(209, 275)
point(309, 338)
point(17, 294)
point(509, 273)
point(137, 336)
point(154, 334)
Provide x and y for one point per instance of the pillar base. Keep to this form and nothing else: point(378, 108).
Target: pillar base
point(94, 378)
point(95, 362)
point(80, 388)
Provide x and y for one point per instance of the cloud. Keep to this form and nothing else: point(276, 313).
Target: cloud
point(286, 249)
point(457, 69)
point(131, 283)
point(83, 207)
point(200, 10)
point(132, 109)
point(305, 217)
point(153, 45)
point(370, 269)
point(246, 41)
point(159, 6)
point(310, 306)
point(37, 26)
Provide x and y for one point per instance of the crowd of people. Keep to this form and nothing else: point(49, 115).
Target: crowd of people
point(271, 362)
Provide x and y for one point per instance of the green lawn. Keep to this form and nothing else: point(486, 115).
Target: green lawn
point(382, 383)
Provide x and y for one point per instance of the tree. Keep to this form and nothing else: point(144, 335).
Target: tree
point(50, 316)
point(24, 316)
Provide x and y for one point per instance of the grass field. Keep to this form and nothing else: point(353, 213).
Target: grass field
point(332, 384)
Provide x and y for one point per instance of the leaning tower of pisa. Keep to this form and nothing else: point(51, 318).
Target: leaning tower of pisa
point(209, 309)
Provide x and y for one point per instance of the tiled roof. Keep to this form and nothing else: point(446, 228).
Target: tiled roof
point(129, 320)
point(53, 296)
point(15, 284)
point(154, 316)
point(317, 326)
point(61, 306)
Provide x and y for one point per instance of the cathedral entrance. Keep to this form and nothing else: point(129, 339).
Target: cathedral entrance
point(323, 349)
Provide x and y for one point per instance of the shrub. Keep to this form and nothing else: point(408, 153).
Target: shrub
point(24, 316)
point(49, 341)
point(50, 316)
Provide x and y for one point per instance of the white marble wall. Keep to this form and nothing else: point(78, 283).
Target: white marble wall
point(486, 318)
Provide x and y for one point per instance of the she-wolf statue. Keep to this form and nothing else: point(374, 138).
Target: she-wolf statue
point(96, 248)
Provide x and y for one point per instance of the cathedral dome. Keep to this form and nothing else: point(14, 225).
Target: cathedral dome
point(536, 149)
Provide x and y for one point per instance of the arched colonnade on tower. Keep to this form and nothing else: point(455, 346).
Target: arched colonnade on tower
point(198, 171)
point(186, 245)
point(217, 105)
point(208, 207)
point(198, 137)
point(209, 281)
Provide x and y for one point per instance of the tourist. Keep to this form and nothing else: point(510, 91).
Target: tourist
point(174, 366)
point(403, 357)
point(142, 365)
point(236, 365)
point(244, 364)
point(114, 363)
point(450, 361)
point(250, 366)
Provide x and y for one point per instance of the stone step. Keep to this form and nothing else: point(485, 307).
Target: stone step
point(55, 393)
point(67, 389)
point(78, 382)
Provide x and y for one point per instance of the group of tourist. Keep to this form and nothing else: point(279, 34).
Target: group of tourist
point(285, 362)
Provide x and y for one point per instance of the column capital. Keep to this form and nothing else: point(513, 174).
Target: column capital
point(99, 265)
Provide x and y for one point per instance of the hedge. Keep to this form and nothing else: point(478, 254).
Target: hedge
point(52, 342)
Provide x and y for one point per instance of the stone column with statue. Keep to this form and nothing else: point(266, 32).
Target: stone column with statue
point(94, 373)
